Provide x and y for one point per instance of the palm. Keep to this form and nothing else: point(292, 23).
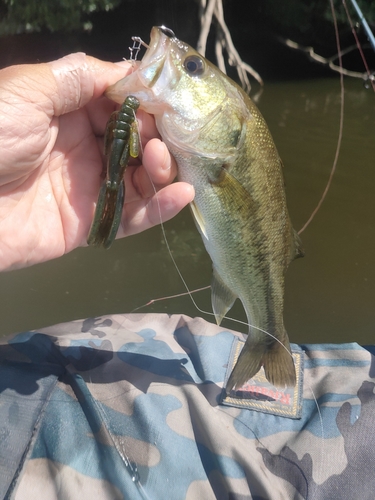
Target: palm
point(50, 168)
point(50, 204)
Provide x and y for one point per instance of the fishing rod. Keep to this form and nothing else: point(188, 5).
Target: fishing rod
point(364, 23)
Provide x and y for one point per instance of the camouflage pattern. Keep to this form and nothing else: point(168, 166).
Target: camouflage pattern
point(130, 407)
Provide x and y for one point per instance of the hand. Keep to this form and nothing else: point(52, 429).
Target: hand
point(52, 123)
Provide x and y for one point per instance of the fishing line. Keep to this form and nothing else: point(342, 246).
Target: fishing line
point(134, 50)
point(331, 176)
point(188, 292)
point(170, 252)
point(371, 80)
point(341, 126)
point(338, 147)
point(172, 297)
point(321, 425)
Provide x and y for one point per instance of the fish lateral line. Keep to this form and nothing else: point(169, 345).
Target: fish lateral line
point(188, 150)
point(201, 110)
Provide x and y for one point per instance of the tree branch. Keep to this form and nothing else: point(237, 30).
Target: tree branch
point(214, 9)
point(329, 61)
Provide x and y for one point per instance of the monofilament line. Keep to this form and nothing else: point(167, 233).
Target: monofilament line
point(209, 313)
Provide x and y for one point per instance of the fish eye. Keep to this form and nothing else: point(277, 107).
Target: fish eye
point(194, 65)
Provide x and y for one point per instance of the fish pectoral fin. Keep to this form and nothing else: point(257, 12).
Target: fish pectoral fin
point(232, 192)
point(222, 297)
point(198, 219)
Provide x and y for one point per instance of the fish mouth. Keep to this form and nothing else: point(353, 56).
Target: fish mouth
point(148, 80)
point(155, 56)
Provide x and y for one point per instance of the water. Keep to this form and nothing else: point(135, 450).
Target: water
point(329, 293)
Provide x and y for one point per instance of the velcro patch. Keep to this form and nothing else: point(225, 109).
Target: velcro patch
point(258, 394)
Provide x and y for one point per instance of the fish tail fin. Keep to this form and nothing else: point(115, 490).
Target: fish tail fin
point(279, 366)
point(248, 364)
point(277, 362)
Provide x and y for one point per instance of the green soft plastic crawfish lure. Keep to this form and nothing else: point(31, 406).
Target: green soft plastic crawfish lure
point(120, 143)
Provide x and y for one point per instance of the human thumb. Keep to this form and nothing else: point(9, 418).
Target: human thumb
point(80, 78)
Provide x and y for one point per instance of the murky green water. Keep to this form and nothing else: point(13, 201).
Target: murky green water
point(330, 293)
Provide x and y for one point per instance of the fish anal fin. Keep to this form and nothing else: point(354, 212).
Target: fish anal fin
point(222, 297)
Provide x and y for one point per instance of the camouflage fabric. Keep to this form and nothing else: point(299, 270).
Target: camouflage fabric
point(130, 407)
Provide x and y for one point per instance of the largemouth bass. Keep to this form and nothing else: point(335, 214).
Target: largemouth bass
point(223, 147)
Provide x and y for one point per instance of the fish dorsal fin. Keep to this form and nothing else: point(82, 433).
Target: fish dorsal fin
point(198, 219)
point(222, 297)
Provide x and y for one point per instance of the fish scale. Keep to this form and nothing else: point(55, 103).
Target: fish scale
point(223, 147)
